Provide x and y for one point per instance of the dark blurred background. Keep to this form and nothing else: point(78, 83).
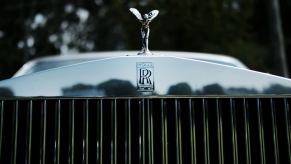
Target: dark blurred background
point(255, 31)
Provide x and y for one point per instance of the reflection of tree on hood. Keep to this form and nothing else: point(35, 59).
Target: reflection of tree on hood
point(180, 89)
point(277, 89)
point(213, 89)
point(81, 87)
point(5, 92)
point(116, 87)
point(112, 87)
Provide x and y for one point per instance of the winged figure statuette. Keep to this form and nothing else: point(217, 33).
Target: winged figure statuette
point(145, 30)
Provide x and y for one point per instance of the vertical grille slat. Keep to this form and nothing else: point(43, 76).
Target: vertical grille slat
point(205, 131)
point(57, 132)
point(43, 132)
point(220, 132)
point(1, 126)
point(288, 127)
point(141, 131)
point(192, 131)
point(15, 133)
point(100, 132)
point(29, 132)
point(114, 132)
point(150, 131)
point(247, 132)
point(164, 132)
point(234, 133)
point(71, 131)
point(178, 132)
point(261, 132)
point(128, 132)
point(274, 130)
point(146, 130)
point(85, 131)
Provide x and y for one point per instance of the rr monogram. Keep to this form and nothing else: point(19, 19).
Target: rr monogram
point(145, 76)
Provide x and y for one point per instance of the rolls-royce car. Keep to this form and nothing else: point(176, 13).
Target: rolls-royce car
point(120, 107)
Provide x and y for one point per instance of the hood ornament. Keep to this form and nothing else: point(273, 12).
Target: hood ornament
point(145, 29)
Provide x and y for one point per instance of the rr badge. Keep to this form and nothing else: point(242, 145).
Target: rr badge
point(145, 76)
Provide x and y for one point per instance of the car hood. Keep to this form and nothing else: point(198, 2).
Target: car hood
point(145, 75)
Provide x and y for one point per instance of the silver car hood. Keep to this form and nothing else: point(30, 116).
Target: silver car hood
point(145, 75)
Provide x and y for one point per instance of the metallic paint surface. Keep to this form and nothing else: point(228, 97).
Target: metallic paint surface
point(117, 77)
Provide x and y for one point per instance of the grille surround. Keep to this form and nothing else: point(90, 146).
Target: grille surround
point(145, 130)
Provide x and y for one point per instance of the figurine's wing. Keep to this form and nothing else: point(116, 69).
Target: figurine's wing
point(153, 14)
point(136, 13)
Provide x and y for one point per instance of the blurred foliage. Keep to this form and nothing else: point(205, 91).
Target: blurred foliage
point(33, 28)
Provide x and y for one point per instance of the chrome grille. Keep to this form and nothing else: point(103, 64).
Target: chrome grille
point(145, 130)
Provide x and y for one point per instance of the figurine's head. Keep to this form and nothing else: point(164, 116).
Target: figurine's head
point(145, 16)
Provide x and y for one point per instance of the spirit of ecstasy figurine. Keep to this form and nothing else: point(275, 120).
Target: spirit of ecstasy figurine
point(145, 30)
